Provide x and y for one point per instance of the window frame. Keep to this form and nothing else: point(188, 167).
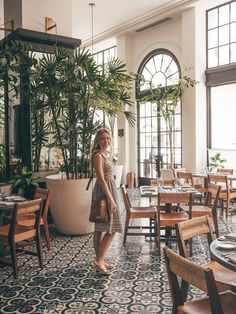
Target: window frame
point(147, 58)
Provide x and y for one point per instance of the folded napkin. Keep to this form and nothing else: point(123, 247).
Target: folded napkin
point(6, 203)
point(232, 259)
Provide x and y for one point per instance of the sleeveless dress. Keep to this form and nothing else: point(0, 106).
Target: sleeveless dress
point(114, 225)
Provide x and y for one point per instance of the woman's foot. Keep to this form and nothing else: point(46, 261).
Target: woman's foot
point(108, 265)
point(101, 267)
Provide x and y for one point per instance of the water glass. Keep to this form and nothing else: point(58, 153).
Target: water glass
point(177, 184)
point(160, 184)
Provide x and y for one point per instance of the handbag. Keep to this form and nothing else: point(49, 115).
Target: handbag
point(99, 211)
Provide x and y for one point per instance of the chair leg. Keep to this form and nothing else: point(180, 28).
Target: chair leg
point(158, 239)
point(12, 247)
point(126, 229)
point(155, 231)
point(227, 208)
point(47, 236)
point(39, 249)
point(215, 222)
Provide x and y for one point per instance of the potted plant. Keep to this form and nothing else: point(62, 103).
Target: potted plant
point(73, 89)
point(215, 162)
point(167, 98)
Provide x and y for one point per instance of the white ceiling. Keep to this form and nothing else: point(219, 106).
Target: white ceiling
point(112, 17)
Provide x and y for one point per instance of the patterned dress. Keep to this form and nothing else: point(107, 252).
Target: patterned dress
point(114, 225)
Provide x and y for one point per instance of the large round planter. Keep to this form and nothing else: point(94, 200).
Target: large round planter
point(70, 205)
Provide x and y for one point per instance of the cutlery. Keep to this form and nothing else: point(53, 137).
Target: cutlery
point(228, 253)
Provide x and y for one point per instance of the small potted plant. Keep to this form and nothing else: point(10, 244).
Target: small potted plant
point(215, 162)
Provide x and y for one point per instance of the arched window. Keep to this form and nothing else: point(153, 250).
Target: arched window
point(159, 69)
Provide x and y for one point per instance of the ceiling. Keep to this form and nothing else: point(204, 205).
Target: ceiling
point(113, 17)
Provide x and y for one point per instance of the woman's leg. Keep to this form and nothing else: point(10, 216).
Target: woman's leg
point(104, 244)
point(96, 241)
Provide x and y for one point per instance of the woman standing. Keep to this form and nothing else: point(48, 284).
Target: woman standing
point(105, 185)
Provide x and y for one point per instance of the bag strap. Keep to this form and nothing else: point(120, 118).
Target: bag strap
point(91, 177)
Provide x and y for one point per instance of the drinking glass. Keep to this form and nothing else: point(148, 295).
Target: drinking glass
point(177, 184)
point(160, 184)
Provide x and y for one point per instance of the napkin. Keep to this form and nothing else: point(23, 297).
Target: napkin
point(6, 203)
point(232, 259)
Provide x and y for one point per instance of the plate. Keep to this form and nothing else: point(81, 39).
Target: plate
point(225, 245)
point(231, 236)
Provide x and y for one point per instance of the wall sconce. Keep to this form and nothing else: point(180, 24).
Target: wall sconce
point(121, 132)
point(6, 29)
point(49, 25)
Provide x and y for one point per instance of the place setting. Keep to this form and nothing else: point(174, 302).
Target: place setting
point(228, 244)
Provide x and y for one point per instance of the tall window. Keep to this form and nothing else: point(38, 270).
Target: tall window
point(223, 114)
point(159, 68)
point(221, 48)
point(221, 80)
point(102, 57)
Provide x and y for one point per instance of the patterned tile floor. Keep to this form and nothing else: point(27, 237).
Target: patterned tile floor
point(69, 285)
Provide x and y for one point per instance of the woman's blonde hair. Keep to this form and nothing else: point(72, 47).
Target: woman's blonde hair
point(96, 142)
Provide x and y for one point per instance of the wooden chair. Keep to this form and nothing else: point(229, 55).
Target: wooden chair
point(167, 174)
point(209, 208)
point(166, 182)
point(225, 171)
point(28, 220)
point(167, 218)
point(187, 230)
point(179, 170)
point(139, 213)
point(186, 179)
point(12, 234)
point(226, 193)
point(200, 277)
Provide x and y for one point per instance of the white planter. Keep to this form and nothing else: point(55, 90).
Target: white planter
point(117, 171)
point(70, 205)
point(7, 188)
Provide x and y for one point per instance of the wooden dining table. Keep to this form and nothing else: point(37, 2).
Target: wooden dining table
point(225, 257)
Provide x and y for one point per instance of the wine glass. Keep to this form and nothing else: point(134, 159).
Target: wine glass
point(177, 184)
point(160, 184)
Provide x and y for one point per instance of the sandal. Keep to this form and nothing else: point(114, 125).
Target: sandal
point(100, 268)
point(107, 264)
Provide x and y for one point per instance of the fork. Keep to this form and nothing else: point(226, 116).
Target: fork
point(228, 253)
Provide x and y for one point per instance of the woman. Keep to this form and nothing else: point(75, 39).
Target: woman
point(105, 184)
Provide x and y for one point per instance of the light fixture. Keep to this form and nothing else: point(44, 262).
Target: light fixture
point(11, 22)
point(50, 25)
point(92, 6)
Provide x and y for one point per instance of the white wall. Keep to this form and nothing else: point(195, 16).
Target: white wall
point(35, 11)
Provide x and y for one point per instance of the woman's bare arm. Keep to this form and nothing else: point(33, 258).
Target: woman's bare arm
point(98, 164)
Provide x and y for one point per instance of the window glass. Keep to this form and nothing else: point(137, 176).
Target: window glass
point(212, 18)
point(233, 11)
point(224, 15)
point(224, 55)
point(223, 35)
point(213, 57)
point(233, 52)
point(213, 38)
point(223, 113)
point(233, 32)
